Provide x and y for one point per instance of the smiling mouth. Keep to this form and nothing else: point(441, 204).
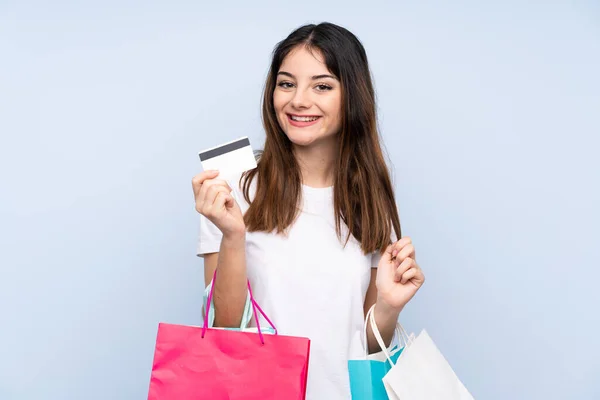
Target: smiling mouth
point(302, 118)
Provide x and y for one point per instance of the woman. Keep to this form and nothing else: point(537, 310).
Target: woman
point(314, 226)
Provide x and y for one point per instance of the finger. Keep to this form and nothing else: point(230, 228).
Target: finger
point(407, 264)
point(201, 185)
point(214, 182)
point(229, 201)
point(400, 244)
point(388, 253)
point(221, 200)
point(228, 198)
point(202, 194)
point(207, 198)
point(199, 179)
point(408, 275)
point(407, 251)
point(212, 193)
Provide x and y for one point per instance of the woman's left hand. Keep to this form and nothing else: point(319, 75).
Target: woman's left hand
point(398, 275)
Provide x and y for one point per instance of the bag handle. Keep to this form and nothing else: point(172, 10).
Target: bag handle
point(255, 306)
point(400, 332)
point(367, 320)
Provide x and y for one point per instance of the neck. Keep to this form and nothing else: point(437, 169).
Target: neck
point(316, 164)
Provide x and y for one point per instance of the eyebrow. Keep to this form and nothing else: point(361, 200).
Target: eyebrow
point(314, 78)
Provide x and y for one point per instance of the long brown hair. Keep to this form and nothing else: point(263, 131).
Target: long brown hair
point(363, 194)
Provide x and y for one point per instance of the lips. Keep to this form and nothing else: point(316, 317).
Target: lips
point(302, 121)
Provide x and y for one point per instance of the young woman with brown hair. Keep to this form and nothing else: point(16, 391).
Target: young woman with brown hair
point(314, 227)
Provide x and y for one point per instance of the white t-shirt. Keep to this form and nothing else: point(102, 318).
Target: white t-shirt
point(309, 285)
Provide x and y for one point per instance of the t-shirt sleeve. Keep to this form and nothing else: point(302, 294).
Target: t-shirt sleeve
point(209, 237)
point(375, 257)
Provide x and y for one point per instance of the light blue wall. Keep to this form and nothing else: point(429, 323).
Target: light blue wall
point(490, 113)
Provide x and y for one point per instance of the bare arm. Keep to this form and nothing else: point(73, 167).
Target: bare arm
point(393, 284)
point(385, 317)
point(214, 201)
point(230, 290)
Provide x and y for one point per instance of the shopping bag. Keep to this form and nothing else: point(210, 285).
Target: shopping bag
point(421, 372)
point(366, 374)
point(424, 373)
point(201, 363)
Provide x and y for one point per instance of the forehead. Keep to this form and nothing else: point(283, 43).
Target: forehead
point(302, 61)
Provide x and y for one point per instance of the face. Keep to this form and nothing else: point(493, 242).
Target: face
point(307, 98)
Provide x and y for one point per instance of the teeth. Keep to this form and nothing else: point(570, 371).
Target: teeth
point(304, 119)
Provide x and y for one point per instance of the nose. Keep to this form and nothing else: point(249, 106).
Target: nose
point(300, 100)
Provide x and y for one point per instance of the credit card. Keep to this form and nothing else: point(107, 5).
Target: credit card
point(231, 158)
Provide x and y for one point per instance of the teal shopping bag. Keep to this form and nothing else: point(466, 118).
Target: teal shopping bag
point(366, 377)
point(366, 374)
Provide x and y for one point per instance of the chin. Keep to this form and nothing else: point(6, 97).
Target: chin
point(301, 139)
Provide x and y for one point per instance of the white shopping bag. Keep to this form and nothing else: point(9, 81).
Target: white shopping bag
point(421, 372)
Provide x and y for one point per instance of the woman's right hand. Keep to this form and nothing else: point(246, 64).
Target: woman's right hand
point(214, 201)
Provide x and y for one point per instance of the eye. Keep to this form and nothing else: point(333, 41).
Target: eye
point(285, 85)
point(323, 88)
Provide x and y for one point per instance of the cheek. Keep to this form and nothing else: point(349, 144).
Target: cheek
point(334, 103)
point(335, 110)
point(278, 101)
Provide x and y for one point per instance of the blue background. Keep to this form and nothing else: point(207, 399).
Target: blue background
point(490, 112)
